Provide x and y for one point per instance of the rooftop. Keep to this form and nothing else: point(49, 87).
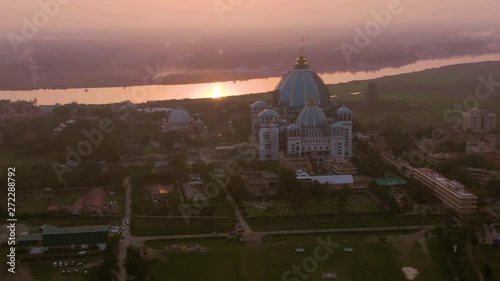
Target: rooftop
point(452, 185)
point(76, 229)
point(333, 179)
point(389, 182)
point(29, 237)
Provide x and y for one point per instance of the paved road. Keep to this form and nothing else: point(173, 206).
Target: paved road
point(125, 242)
point(182, 217)
point(258, 235)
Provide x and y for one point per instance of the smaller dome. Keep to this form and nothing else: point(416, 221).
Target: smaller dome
point(311, 116)
point(269, 113)
point(336, 125)
point(179, 116)
point(344, 111)
point(258, 105)
point(293, 127)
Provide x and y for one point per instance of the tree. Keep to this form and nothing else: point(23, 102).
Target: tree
point(344, 194)
point(371, 93)
point(487, 271)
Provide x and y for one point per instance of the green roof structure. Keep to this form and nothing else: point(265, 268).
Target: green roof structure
point(391, 182)
point(76, 230)
point(27, 240)
point(40, 228)
point(53, 236)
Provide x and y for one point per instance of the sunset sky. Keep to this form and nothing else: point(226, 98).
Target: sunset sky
point(193, 16)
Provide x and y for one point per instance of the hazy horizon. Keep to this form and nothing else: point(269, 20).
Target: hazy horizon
point(93, 18)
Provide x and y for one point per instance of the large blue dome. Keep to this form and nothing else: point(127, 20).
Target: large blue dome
point(299, 85)
point(179, 116)
point(311, 116)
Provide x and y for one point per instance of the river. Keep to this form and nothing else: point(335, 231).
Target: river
point(138, 94)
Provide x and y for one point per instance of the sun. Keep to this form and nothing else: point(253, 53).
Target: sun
point(216, 92)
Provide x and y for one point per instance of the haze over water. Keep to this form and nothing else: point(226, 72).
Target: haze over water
point(139, 94)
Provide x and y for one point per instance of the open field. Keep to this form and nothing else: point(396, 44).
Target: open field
point(218, 209)
point(43, 271)
point(326, 222)
point(30, 203)
point(177, 226)
point(313, 210)
point(68, 220)
point(421, 97)
point(274, 257)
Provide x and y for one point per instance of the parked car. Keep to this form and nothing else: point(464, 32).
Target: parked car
point(54, 264)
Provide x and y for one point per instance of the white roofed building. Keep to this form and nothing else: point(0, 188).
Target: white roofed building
point(452, 193)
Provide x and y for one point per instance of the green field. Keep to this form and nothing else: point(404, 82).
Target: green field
point(43, 271)
point(326, 222)
point(421, 97)
point(68, 220)
point(177, 226)
point(271, 259)
point(313, 210)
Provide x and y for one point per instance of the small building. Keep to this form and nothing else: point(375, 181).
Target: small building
point(361, 182)
point(335, 182)
point(339, 166)
point(223, 151)
point(160, 164)
point(479, 121)
point(441, 158)
point(158, 192)
point(261, 183)
point(193, 154)
point(477, 147)
point(295, 162)
point(92, 203)
point(193, 184)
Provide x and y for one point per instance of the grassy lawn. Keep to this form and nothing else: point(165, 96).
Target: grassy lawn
point(219, 209)
point(16, 158)
point(68, 220)
point(269, 260)
point(313, 210)
point(488, 255)
point(43, 271)
point(178, 226)
point(30, 204)
point(439, 258)
point(325, 222)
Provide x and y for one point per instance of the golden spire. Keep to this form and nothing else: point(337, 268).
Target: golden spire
point(301, 62)
point(311, 102)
